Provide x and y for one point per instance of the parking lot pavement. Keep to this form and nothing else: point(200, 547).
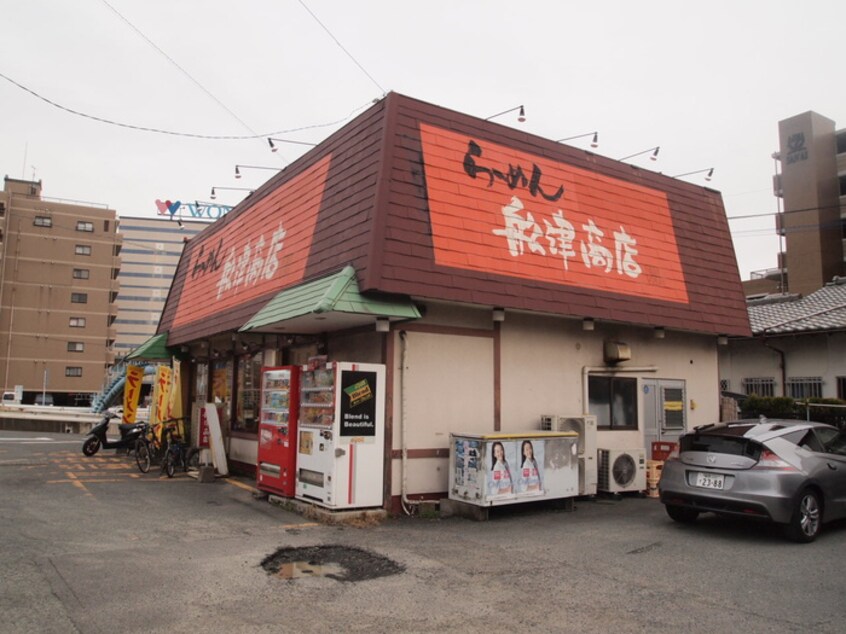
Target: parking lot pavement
point(119, 552)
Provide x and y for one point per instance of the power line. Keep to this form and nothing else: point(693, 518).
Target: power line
point(341, 46)
point(182, 70)
point(227, 137)
point(787, 211)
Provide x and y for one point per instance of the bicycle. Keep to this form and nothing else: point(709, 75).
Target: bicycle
point(151, 448)
point(179, 454)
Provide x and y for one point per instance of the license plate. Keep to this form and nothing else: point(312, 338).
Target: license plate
point(710, 480)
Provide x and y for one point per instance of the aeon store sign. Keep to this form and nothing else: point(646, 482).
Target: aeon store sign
point(198, 210)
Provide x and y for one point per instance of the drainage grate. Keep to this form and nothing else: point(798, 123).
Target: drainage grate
point(334, 562)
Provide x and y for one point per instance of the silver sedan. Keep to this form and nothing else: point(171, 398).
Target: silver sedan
point(785, 471)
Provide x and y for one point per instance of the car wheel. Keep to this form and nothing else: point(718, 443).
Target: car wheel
point(804, 525)
point(681, 514)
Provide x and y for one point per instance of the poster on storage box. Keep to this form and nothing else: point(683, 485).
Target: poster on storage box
point(501, 458)
point(530, 474)
point(358, 404)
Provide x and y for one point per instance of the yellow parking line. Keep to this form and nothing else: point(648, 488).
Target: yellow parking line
point(240, 485)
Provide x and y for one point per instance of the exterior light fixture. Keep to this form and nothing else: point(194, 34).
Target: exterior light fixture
point(252, 167)
point(243, 189)
point(722, 340)
point(708, 176)
point(652, 157)
point(498, 314)
point(588, 323)
point(593, 143)
point(273, 148)
point(383, 324)
point(659, 333)
point(521, 117)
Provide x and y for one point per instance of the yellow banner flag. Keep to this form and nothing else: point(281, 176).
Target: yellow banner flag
point(161, 396)
point(132, 392)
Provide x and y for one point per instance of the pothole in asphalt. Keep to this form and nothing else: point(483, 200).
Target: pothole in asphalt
point(333, 562)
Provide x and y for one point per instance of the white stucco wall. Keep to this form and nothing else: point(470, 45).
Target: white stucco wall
point(448, 384)
point(806, 355)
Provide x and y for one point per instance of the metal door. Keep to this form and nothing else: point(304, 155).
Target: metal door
point(664, 412)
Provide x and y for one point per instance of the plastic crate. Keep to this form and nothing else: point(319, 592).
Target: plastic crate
point(662, 450)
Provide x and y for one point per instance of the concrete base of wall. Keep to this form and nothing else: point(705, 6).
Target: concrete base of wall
point(328, 516)
point(48, 426)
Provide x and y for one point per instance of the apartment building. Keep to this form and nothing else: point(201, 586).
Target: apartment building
point(59, 264)
point(811, 182)
point(150, 253)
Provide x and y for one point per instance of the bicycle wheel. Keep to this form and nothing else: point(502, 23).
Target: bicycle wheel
point(192, 462)
point(170, 464)
point(142, 456)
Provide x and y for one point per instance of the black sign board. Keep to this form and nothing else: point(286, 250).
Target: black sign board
point(358, 403)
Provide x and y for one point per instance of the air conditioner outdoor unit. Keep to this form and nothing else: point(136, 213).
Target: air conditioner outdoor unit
point(585, 426)
point(622, 470)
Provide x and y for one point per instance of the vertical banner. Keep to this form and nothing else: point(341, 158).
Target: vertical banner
point(174, 404)
point(161, 392)
point(132, 392)
point(205, 431)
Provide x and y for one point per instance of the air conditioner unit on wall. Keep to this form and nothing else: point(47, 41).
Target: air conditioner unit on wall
point(622, 470)
point(585, 426)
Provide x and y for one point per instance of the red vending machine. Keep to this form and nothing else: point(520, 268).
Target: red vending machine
point(277, 451)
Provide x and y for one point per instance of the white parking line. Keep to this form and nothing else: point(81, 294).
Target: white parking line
point(38, 441)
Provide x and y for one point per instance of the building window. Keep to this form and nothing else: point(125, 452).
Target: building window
point(76, 346)
point(725, 385)
point(759, 386)
point(841, 388)
point(613, 400)
point(43, 221)
point(843, 185)
point(77, 322)
point(81, 274)
point(82, 249)
point(841, 142)
point(79, 298)
point(73, 371)
point(82, 225)
point(804, 387)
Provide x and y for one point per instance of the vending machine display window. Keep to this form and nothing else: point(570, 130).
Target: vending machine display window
point(247, 393)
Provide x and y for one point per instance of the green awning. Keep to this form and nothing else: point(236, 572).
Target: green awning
point(329, 303)
point(154, 348)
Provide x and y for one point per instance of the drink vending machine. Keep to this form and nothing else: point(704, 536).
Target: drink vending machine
point(279, 409)
point(341, 436)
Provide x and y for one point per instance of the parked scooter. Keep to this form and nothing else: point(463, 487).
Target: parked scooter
point(96, 438)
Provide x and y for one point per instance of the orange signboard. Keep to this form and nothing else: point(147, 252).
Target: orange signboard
point(499, 210)
point(263, 249)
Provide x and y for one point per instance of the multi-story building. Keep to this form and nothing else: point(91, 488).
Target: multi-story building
point(812, 185)
point(150, 253)
point(798, 310)
point(59, 264)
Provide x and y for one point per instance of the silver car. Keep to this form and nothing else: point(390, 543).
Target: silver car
point(787, 471)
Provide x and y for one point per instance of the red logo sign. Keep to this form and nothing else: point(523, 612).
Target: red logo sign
point(496, 209)
point(262, 250)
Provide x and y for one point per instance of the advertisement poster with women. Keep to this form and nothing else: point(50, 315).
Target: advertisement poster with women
point(502, 468)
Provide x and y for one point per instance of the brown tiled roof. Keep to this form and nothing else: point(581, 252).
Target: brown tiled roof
point(401, 203)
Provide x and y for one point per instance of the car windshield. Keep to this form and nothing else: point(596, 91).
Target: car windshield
point(731, 444)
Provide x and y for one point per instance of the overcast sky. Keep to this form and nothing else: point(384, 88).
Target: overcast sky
point(707, 82)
